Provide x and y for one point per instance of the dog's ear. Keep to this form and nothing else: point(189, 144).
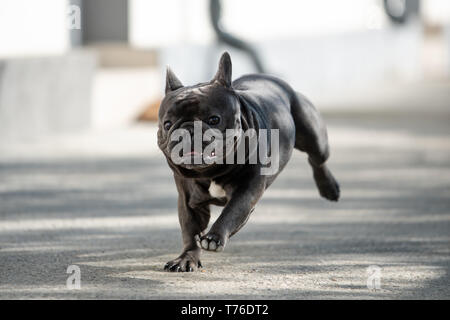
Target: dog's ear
point(172, 82)
point(223, 75)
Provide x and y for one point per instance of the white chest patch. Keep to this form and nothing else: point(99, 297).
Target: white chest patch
point(216, 191)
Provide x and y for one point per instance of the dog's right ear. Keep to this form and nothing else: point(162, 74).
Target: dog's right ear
point(172, 82)
point(223, 75)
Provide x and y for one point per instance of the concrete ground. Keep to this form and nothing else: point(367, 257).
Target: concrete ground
point(107, 203)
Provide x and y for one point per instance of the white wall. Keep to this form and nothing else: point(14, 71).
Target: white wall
point(160, 23)
point(33, 27)
point(269, 19)
point(436, 11)
point(173, 22)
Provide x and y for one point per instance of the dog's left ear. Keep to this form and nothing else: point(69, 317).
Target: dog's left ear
point(223, 75)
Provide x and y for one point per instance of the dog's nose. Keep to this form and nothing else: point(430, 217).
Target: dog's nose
point(191, 130)
point(189, 127)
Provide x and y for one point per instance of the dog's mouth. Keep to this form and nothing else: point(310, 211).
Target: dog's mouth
point(212, 155)
point(195, 158)
point(206, 154)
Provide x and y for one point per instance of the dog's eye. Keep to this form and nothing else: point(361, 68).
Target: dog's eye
point(213, 120)
point(167, 125)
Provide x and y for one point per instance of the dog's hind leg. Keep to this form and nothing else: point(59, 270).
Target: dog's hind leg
point(311, 137)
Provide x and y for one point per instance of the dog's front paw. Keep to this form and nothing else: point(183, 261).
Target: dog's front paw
point(187, 262)
point(211, 242)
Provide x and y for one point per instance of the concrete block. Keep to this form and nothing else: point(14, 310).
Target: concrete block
point(45, 95)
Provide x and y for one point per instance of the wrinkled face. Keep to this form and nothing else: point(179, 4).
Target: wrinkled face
point(195, 123)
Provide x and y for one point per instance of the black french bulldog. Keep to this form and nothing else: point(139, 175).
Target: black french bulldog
point(254, 101)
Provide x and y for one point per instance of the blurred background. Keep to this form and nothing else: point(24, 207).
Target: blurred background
point(83, 182)
point(72, 66)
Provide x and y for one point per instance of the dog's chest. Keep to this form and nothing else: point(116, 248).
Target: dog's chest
point(216, 191)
